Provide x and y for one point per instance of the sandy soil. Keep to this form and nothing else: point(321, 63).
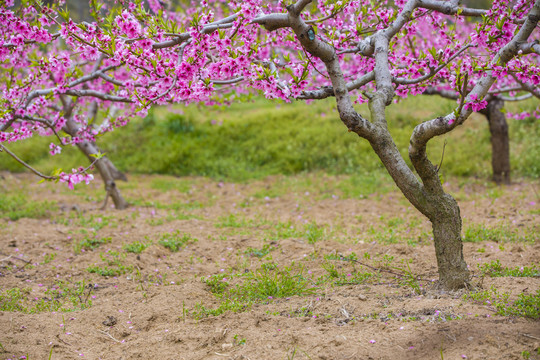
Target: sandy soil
point(149, 312)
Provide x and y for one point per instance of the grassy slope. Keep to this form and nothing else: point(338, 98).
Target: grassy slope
point(257, 139)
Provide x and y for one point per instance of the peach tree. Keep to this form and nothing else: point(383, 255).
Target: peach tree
point(75, 81)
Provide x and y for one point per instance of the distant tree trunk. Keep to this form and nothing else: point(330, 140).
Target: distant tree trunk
point(498, 127)
point(108, 172)
point(500, 147)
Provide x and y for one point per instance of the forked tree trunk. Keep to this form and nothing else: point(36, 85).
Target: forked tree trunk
point(431, 200)
point(500, 147)
point(108, 172)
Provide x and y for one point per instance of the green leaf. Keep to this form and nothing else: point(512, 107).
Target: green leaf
point(98, 155)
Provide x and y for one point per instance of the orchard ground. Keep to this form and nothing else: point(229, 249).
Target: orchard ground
point(309, 266)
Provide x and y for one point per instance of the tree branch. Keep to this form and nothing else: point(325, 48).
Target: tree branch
point(404, 81)
point(450, 8)
point(531, 89)
point(529, 48)
point(3, 148)
point(441, 125)
point(517, 98)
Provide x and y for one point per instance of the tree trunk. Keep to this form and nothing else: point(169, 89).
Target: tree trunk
point(500, 148)
point(453, 272)
point(431, 200)
point(109, 173)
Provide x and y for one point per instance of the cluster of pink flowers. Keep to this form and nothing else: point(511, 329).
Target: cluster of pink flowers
point(76, 177)
point(55, 149)
point(475, 103)
point(214, 53)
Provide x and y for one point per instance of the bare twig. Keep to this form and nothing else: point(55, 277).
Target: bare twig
point(530, 336)
point(27, 262)
point(109, 335)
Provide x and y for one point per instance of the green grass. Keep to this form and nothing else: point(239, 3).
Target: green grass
point(104, 270)
point(335, 277)
point(17, 205)
point(61, 296)
point(265, 138)
point(500, 233)
point(233, 221)
point(165, 184)
point(314, 233)
point(283, 230)
point(91, 242)
point(113, 265)
point(265, 250)
point(176, 240)
point(495, 269)
point(526, 305)
point(136, 247)
point(238, 292)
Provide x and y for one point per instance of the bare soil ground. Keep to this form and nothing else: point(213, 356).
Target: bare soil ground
point(155, 304)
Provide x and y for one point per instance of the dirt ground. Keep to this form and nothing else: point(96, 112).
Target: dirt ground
point(151, 309)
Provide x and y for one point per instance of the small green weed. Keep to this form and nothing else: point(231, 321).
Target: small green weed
point(265, 284)
point(238, 340)
point(314, 233)
point(48, 258)
point(351, 257)
point(114, 265)
point(224, 306)
point(265, 250)
point(284, 230)
point(338, 278)
point(232, 221)
point(136, 247)
point(13, 299)
point(217, 283)
point(526, 305)
point(91, 242)
point(495, 269)
point(103, 271)
point(174, 241)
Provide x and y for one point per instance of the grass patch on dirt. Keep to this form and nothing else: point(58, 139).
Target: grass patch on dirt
point(112, 264)
point(495, 269)
point(500, 233)
point(525, 305)
point(90, 242)
point(136, 247)
point(238, 292)
point(61, 296)
point(176, 240)
point(17, 205)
